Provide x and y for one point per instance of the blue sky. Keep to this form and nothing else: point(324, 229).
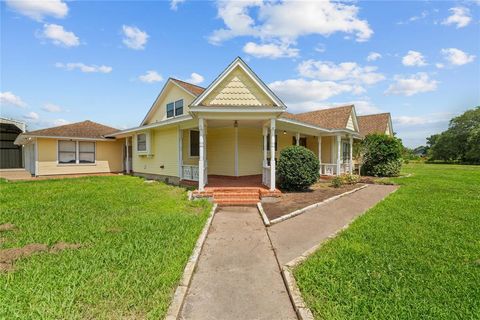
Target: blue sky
point(67, 61)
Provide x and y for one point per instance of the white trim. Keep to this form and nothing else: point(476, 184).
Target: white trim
point(351, 155)
point(320, 150)
point(65, 138)
point(201, 159)
point(272, 155)
point(176, 120)
point(180, 152)
point(300, 123)
point(236, 150)
point(35, 147)
point(252, 109)
point(339, 146)
point(150, 111)
point(238, 62)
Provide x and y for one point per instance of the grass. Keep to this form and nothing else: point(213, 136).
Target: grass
point(137, 239)
point(416, 255)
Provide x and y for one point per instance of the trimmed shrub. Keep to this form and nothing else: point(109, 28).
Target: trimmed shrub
point(344, 179)
point(382, 155)
point(298, 168)
point(337, 182)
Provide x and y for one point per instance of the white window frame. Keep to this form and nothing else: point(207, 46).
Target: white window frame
point(190, 144)
point(147, 143)
point(77, 153)
point(174, 109)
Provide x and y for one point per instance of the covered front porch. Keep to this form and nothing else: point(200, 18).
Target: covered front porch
point(238, 153)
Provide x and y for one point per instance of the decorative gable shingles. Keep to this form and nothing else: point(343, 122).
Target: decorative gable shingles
point(238, 89)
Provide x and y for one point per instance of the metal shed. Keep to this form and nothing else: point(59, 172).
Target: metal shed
point(11, 155)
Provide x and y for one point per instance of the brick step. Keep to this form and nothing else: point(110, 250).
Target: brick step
point(220, 195)
point(235, 189)
point(236, 202)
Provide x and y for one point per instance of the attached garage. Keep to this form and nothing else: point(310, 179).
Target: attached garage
point(11, 155)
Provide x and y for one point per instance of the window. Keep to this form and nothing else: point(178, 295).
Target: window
point(67, 152)
point(303, 141)
point(346, 151)
point(178, 108)
point(268, 142)
point(86, 152)
point(170, 110)
point(75, 152)
point(194, 143)
point(142, 142)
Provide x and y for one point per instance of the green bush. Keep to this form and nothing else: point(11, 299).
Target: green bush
point(344, 179)
point(337, 182)
point(382, 155)
point(297, 169)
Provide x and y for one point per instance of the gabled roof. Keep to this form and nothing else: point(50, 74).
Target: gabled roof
point(374, 123)
point(332, 118)
point(192, 89)
point(85, 129)
point(238, 62)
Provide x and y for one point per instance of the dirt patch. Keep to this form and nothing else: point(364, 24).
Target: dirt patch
point(291, 201)
point(7, 227)
point(9, 256)
point(64, 246)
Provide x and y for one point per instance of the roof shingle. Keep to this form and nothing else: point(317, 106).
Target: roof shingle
point(85, 129)
point(192, 88)
point(373, 123)
point(332, 118)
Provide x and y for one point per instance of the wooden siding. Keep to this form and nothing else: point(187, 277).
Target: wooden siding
point(108, 159)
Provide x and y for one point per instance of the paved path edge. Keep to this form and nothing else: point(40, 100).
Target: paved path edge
point(301, 308)
point(310, 207)
point(181, 291)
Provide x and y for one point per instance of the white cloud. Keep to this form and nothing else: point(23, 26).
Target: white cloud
point(460, 17)
point(270, 50)
point(58, 122)
point(422, 120)
point(83, 67)
point(53, 108)
point(288, 20)
point(151, 76)
point(373, 56)
point(413, 84)
point(320, 48)
point(8, 98)
point(457, 57)
point(414, 58)
point(301, 94)
point(37, 9)
point(134, 38)
point(33, 116)
point(174, 4)
point(345, 71)
point(422, 15)
point(195, 78)
point(59, 36)
point(439, 65)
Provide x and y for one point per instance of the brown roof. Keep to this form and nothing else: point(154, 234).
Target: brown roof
point(373, 123)
point(194, 89)
point(332, 118)
point(84, 129)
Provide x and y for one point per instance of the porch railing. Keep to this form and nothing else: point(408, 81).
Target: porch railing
point(330, 169)
point(266, 175)
point(190, 172)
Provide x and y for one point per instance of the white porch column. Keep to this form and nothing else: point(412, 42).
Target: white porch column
point(297, 137)
point(127, 162)
point(320, 152)
point(351, 155)
point(180, 153)
point(201, 157)
point(272, 155)
point(236, 147)
point(339, 147)
point(265, 143)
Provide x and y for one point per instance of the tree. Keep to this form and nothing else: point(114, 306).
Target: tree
point(460, 142)
point(382, 155)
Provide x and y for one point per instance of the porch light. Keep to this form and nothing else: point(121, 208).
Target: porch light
point(235, 124)
point(284, 132)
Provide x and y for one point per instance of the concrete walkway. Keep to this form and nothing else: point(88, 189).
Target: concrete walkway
point(237, 275)
point(291, 238)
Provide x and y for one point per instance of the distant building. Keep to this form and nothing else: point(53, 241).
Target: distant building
point(11, 155)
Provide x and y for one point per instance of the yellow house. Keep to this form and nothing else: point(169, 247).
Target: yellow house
point(236, 127)
point(78, 148)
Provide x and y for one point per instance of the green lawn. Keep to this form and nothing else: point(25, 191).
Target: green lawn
point(415, 255)
point(136, 239)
